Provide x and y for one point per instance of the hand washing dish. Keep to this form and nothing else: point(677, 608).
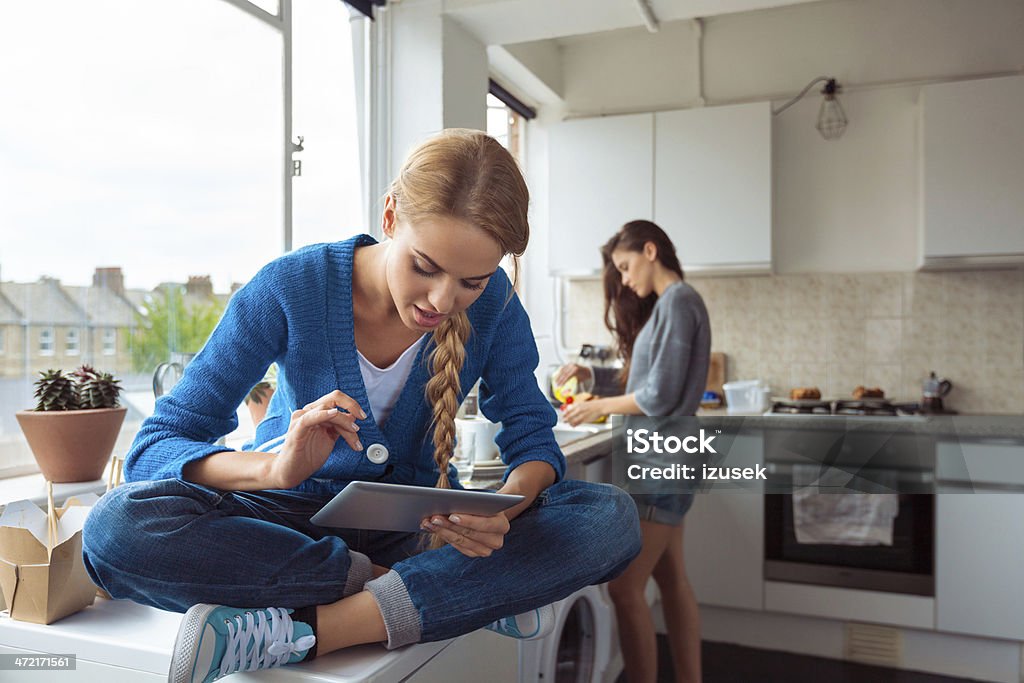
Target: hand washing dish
point(746, 396)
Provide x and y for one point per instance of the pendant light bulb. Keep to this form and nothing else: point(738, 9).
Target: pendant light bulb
point(831, 117)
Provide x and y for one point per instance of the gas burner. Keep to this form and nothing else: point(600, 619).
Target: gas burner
point(865, 407)
point(801, 407)
point(878, 407)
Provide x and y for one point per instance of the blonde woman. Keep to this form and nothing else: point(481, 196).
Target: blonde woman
point(375, 345)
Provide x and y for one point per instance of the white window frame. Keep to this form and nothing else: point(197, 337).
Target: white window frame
point(109, 341)
point(47, 341)
point(73, 341)
point(375, 103)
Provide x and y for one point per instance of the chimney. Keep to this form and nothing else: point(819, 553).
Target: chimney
point(199, 285)
point(112, 278)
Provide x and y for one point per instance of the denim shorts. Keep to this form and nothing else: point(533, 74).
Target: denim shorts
point(663, 508)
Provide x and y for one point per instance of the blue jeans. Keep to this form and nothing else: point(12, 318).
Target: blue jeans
point(171, 544)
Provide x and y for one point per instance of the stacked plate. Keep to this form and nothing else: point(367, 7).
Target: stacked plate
point(488, 469)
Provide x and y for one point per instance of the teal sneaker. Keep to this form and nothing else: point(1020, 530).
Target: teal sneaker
point(214, 641)
point(531, 625)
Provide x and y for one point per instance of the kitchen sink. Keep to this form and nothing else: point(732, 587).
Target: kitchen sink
point(566, 434)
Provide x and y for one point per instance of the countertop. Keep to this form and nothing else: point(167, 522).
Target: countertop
point(1002, 428)
point(963, 427)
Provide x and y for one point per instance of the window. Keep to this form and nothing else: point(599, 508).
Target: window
point(144, 178)
point(328, 196)
point(505, 125)
point(71, 342)
point(3, 339)
point(46, 341)
point(109, 341)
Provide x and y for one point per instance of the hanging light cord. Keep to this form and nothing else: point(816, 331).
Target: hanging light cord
point(803, 92)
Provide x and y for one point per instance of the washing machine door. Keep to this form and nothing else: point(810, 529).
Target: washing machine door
point(574, 660)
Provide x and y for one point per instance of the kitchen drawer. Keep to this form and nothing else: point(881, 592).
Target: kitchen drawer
point(848, 604)
point(994, 463)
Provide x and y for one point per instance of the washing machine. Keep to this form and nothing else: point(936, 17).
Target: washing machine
point(582, 648)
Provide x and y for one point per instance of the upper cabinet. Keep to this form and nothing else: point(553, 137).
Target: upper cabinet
point(713, 186)
point(972, 165)
point(703, 175)
point(600, 177)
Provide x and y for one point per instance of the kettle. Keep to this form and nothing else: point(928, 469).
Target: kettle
point(168, 374)
point(933, 389)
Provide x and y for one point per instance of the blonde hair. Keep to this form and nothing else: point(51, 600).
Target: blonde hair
point(464, 174)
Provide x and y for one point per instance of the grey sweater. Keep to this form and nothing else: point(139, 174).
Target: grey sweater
point(671, 354)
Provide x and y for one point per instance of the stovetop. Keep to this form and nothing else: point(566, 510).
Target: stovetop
point(876, 407)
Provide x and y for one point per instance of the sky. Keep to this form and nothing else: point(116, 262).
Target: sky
point(147, 134)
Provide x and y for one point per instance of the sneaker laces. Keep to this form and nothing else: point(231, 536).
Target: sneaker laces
point(271, 642)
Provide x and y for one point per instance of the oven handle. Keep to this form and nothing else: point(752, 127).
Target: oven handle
point(902, 476)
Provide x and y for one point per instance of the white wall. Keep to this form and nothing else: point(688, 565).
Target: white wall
point(630, 70)
point(840, 206)
point(417, 106)
point(464, 77)
point(438, 79)
point(850, 204)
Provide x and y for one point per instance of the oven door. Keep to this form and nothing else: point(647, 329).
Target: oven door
point(907, 566)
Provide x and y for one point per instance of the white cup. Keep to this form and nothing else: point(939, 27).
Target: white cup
point(476, 438)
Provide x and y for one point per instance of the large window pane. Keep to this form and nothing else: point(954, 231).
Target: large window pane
point(140, 161)
point(327, 197)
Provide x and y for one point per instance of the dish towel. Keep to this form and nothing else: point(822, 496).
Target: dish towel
point(840, 518)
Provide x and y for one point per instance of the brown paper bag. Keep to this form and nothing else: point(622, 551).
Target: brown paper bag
point(42, 584)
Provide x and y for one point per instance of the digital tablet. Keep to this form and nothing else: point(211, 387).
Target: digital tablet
point(397, 507)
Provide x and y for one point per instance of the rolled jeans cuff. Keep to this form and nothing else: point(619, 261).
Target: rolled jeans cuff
point(401, 619)
point(359, 572)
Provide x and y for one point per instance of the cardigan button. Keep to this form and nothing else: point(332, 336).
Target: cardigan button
point(377, 453)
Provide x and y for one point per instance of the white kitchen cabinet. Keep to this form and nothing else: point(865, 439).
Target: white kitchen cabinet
point(724, 538)
point(600, 176)
point(972, 165)
point(713, 186)
point(979, 542)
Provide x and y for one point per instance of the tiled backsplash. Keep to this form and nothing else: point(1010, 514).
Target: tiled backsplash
point(838, 331)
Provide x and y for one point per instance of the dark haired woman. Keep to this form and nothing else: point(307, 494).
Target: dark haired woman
point(664, 338)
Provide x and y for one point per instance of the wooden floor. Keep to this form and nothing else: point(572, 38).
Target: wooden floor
point(734, 664)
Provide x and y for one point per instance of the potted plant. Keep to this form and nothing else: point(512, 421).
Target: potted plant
point(75, 423)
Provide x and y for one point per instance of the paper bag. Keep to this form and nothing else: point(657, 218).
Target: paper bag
point(42, 584)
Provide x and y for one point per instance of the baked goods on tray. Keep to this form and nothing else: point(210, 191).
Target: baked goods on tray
point(868, 392)
point(804, 393)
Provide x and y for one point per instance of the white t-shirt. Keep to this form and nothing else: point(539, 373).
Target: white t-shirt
point(383, 385)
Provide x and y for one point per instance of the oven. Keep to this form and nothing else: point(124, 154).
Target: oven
point(870, 459)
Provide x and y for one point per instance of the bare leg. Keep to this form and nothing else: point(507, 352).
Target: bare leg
point(636, 628)
point(682, 616)
point(350, 621)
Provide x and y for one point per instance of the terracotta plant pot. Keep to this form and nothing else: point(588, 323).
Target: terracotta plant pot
point(72, 445)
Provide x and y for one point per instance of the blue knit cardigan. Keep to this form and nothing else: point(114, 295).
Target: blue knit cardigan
point(297, 312)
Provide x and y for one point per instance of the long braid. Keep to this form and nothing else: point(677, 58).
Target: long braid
point(467, 175)
point(443, 389)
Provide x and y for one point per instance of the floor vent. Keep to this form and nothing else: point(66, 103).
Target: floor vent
point(876, 645)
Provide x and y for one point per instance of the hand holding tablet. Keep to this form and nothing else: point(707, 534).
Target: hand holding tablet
point(397, 507)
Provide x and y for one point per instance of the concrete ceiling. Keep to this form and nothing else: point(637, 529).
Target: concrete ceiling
point(500, 22)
